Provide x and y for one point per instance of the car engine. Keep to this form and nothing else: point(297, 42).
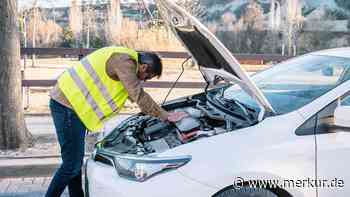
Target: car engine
point(143, 134)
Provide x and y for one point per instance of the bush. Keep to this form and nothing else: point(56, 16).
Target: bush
point(97, 43)
point(68, 38)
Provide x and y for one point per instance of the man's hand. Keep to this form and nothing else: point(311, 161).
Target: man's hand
point(176, 116)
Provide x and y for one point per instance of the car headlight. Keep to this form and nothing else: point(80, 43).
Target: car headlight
point(142, 168)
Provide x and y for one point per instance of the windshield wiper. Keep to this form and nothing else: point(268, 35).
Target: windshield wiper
point(240, 105)
point(243, 108)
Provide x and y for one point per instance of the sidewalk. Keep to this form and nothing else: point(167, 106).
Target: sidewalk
point(42, 159)
point(28, 175)
point(25, 187)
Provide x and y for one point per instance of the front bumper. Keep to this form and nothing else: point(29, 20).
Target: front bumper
point(105, 182)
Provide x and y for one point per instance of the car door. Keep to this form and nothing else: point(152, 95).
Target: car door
point(333, 152)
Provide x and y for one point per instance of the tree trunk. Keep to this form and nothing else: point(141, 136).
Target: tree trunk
point(76, 21)
point(13, 131)
point(114, 22)
point(35, 18)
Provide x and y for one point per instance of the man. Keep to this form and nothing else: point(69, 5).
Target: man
point(91, 91)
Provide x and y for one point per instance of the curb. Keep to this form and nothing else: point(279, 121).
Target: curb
point(22, 167)
point(28, 167)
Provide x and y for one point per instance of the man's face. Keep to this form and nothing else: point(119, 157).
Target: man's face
point(145, 72)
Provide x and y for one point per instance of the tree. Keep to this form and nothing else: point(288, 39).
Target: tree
point(343, 4)
point(251, 35)
point(194, 7)
point(13, 131)
point(209, 3)
point(89, 16)
point(114, 22)
point(34, 16)
point(76, 21)
point(68, 38)
point(292, 24)
point(253, 17)
point(47, 32)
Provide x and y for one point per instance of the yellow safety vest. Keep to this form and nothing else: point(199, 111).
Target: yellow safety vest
point(93, 95)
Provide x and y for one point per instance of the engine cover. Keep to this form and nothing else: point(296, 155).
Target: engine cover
point(187, 124)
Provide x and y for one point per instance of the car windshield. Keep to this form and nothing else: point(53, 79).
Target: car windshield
point(295, 83)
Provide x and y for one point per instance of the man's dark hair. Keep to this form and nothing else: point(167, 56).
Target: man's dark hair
point(153, 61)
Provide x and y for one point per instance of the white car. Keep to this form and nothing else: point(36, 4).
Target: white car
point(281, 132)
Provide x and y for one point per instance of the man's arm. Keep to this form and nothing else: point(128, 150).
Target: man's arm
point(125, 69)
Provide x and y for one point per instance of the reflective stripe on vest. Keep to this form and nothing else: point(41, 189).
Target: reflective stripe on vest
point(86, 93)
point(93, 95)
point(85, 62)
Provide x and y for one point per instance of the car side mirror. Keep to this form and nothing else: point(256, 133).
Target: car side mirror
point(342, 116)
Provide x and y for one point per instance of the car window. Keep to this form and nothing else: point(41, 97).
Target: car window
point(308, 128)
point(346, 101)
point(297, 82)
point(323, 121)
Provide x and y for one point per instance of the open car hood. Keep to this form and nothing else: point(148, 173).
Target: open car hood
point(214, 59)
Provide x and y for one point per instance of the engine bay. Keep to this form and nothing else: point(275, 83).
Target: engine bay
point(143, 134)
